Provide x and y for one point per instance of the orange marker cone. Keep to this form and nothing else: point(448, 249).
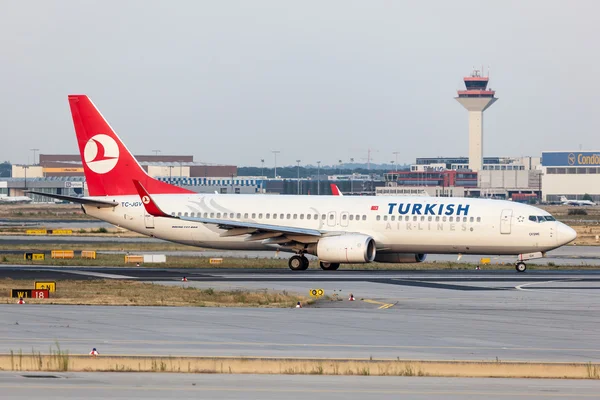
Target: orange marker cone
point(21, 301)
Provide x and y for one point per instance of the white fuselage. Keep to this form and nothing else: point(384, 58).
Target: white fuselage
point(397, 224)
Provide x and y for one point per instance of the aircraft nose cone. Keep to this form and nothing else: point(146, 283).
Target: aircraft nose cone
point(566, 234)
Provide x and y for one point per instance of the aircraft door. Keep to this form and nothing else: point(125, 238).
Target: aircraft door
point(505, 222)
point(331, 218)
point(344, 218)
point(149, 219)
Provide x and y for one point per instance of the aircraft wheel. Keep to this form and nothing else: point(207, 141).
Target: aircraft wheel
point(521, 267)
point(297, 263)
point(305, 263)
point(329, 266)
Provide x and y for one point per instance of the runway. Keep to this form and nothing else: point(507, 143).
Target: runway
point(431, 315)
point(117, 386)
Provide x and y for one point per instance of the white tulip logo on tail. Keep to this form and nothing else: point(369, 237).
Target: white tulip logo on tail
point(101, 154)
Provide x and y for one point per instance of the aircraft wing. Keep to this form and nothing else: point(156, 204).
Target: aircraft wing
point(257, 231)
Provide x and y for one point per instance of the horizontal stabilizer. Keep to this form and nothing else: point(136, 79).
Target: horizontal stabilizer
point(79, 200)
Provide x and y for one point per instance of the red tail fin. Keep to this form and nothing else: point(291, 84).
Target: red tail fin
point(109, 167)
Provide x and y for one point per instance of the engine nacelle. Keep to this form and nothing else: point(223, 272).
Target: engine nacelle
point(348, 249)
point(400, 258)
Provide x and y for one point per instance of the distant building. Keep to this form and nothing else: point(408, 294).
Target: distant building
point(572, 174)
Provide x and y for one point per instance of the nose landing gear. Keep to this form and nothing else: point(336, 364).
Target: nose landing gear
point(298, 262)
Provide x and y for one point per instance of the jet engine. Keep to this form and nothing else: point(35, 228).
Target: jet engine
point(400, 258)
point(349, 248)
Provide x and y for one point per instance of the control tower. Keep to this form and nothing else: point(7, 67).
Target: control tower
point(476, 99)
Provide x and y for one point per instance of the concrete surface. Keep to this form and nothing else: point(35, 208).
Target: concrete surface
point(116, 386)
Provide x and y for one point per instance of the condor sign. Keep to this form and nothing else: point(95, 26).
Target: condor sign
point(571, 159)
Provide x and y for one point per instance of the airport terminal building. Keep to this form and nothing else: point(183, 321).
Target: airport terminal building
point(572, 174)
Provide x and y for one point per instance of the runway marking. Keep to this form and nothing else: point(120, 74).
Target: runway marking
point(383, 306)
point(523, 287)
point(527, 393)
point(96, 274)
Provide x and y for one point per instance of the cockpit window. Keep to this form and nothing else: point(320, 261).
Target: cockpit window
point(541, 218)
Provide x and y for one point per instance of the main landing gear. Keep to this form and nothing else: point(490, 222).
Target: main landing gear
point(327, 266)
point(298, 262)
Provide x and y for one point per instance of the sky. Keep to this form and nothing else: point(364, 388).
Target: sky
point(231, 81)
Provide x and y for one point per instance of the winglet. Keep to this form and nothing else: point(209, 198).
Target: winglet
point(148, 202)
point(335, 190)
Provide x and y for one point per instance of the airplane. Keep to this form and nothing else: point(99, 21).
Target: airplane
point(568, 202)
point(4, 199)
point(336, 229)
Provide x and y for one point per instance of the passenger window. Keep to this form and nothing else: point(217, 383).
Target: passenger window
point(358, 217)
point(173, 213)
point(308, 216)
point(240, 215)
point(385, 217)
point(451, 219)
point(443, 219)
point(295, 216)
point(316, 216)
point(422, 219)
point(280, 216)
point(253, 215)
point(331, 216)
point(212, 215)
point(464, 219)
point(378, 218)
point(218, 215)
point(301, 216)
point(429, 218)
point(472, 219)
point(437, 219)
point(343, 216)
point(289, 216)
point(351, 217)
point(364, 218)
point(274, 216)
point(205, 215)
point(231, 215)
point(393, 218)
point(260, 216)
point(268, 215)
point(406, 218)
point(414, 218)
point(179, 214)
point(478, 219)
point(322, 216)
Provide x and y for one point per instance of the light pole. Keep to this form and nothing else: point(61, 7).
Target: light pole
point(396, 154)
point(318, 178)
point(262, 167)
point(34, 152)
point(275, 152)
point(352, 178)
point(156, 152)
point(298, 161)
